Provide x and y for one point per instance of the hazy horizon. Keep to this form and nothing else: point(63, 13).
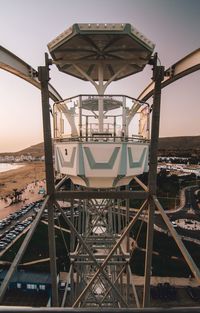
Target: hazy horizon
point(28, 26)
point(34, 144)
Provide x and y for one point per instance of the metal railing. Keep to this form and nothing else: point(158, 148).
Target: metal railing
point(8, 309)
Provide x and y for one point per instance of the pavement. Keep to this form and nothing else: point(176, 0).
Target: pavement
point(174, 281)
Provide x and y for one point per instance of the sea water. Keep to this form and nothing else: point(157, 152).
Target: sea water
point(4, 167)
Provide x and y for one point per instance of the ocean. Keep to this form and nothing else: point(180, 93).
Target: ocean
point(4, 167)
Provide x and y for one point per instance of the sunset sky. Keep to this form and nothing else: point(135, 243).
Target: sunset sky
point(27, 26)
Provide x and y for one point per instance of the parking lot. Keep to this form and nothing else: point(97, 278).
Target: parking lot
point(16, 224)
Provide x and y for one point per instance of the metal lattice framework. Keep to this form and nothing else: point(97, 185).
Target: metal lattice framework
point(100, 274)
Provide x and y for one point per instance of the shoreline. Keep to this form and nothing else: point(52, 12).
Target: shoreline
point(13, 166)
point(19, 178)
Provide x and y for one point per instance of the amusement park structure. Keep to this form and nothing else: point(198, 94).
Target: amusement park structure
point(101, 143)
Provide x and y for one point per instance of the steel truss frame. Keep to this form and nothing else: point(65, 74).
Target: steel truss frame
point(105, 271)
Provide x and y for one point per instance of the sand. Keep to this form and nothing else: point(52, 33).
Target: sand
point(29, 179)
point(20, 177)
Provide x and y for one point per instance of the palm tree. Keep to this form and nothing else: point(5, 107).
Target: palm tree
point(17, 195)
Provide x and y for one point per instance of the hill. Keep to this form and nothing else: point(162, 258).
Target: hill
point(176, 146)
point(179, 146)
point(35, 150)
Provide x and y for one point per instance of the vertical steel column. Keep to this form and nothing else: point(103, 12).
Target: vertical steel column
point(73, 287)
point(109, 220)
point(52, 254)
point(86, 218)
point(80, 115)
point(114, 127)
point(127, 285)
point(124, 133)
point(118, 216)
point(72, 237)
point(43, 75)
point(100, 89)
point(148, 123)
point(158, 75)
point(86, 130)
point(83, 219)
point(73, 220)
point(55, 122)
point(121, 278)
point(61, 124)
point(80, 216)
point(127, 222)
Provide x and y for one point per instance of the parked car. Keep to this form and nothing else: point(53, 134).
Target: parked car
point(2, 245)
point(7, 239)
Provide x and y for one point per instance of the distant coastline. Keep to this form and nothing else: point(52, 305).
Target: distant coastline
point(180, 146)
point(20, 177)
point(5, 167)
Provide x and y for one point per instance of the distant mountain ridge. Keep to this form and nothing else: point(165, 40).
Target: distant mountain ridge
point(35, 150)
point(186, 142)
point(167, 145)
point(180, 146)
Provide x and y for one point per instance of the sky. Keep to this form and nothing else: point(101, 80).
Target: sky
point(27, 26)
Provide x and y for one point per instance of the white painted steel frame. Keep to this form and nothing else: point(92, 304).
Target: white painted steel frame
point(180, 69)
point(16, 66)
point(187, 65)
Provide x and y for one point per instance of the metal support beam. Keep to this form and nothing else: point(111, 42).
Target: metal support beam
point(87, 194)
point(16, 66)
point(91, 262)
point(21, 251)
point(188, 65)
point(115, 281)
point(175, 235)
point(118, 257)
point(148, 256)
point(133, 287)
point(100, 270)
point(24, 245)
point(158, 75)
point(141, 183)
point(52, 254)
point(66, 287)
point(9, 309)
point(44, 79)
point(135, 218)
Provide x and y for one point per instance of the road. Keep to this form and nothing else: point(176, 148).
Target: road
point(189, 211)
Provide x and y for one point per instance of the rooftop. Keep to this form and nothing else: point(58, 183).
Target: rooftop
point(30, 277)
point(121, 48)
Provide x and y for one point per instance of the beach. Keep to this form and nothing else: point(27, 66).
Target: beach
point(19, 178)
point(28, 178)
